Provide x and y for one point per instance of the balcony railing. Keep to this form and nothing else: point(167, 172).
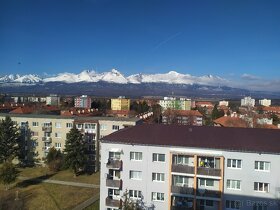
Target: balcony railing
point(47, 139)
point(114, 183)
point(47, 129)
point(182, 190)
point(209, 193)
point(182, 169)
point(113, 203)
point(209, 171)
point(114, 164)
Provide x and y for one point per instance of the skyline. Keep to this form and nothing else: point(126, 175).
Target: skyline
point(236, 40)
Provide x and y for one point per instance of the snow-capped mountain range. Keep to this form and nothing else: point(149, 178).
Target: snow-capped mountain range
point(114, 76)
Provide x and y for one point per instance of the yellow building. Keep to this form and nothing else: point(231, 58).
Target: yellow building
point(120, 103)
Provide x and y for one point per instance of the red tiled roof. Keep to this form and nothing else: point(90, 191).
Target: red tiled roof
point(22, 110)
point(233, 139)
point(227, 121)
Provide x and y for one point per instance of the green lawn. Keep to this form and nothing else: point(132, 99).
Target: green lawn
point(94, 206)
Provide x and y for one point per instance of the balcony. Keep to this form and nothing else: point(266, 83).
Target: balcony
point(113, 203)
point(47, 139)
point(47, 129)
point(183, 169)
point(114, 164)
point(209, 193)
point(182, 190)
point(209, 171)
point(114, 183)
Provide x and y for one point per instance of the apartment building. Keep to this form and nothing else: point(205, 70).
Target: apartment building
point(265, 102)
point(191, 168)
point(175, 104)
point(48, 131)
point(82, 101)
point(53, 100)
point(182, 117)
point(248, 101)
point(120, 103)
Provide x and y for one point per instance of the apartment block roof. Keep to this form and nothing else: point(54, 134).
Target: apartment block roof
point(134, 119)
point(221, 138)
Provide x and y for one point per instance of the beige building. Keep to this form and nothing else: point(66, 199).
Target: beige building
point(120, 103)
point(48, 131)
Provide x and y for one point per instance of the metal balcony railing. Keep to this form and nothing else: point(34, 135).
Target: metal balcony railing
point(182, 169)
point(114, 183)
point(182, 190)
point(209, 171)
point(209, 193)
point(114, 164)
point(113, 203)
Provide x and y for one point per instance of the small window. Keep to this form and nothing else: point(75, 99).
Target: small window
point(115, 127)
point(159, 177)
point(69, 125)
point(261, 187)
point(115, 155)
point(233, 184)
point(58, 125)
point(234, 163)
point(57, 145)
point(35, 124)
point(157, 196)
point(135, 194)
point(262, 166)
point(135, 175)
point(233, 204)
point(207, 182)
point(135, 155)
point(158, 157)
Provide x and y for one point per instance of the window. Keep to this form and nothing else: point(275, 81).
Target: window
point(157, 196)
point(234, 163)
point(262, 165)
point(69, 125)
point(35, 124)
point(233, 184)
point(115, 127)
point(103, 127)
point(47, 124)
point(207, 203)
point(58, 125)
point(261, 187)
point(34, 133)
point(260, 206)
point(158, 177)
point(180, 180)
point(233, 204)
point(57, 135)
point(115, 155)
point(135, 194)
point(181, 159)
point(207, 182)
point(158, 157)
point(90, 126)
point(79, 126)
point(135, 175)
point(135, 155)
point(57, 145)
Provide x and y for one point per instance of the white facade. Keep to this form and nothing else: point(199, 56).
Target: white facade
point(248, 101)
point(223, 103)
point(265, 102)
point(53, 100)
point(173, 103)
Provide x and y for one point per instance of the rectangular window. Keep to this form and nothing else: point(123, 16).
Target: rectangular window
point(262, 166)
point(34, 133)
point(181, 159)
point(57, 135)
point(158, 157)
point(35, 124)
point(261, 187)
point(115, 155)
point(232, 204)
point(234, 163)
point(135, 155)
point(57, 145)
point(180, 180)
point(260, 206)
point(58, 125)
point(115, 127)
point(90, 126)
point(79, 126)
point(233, 184)
point(207, 182)
point(159, 177)
point(135, 175)
point(69, 125)
point(157, 196)
point(135, 194)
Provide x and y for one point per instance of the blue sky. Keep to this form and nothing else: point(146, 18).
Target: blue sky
point(228, 38)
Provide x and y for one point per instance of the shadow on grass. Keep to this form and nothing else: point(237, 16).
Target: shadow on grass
point(34, 181)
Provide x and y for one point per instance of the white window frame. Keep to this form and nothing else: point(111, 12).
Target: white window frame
point(233, 184)
point(265, 163)
point(114, 155)
point(58, 125)
point(158, 177)
point(136, 156)
point(258, 187)
point(69, 125)
point(135, 175)
point(115, 127)
point(233, 163)
point(57, 145)
point(35, 124)
point(205, 182)
point(233, 204)
point(136, 194)
point(156, 157)
point(157, 196)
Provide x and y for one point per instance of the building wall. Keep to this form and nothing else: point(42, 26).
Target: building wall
point(247, 174)
point(120, 104)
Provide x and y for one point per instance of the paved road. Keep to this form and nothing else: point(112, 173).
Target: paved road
point(51, 181)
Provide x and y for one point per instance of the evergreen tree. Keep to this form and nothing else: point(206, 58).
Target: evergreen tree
point(8, 174)
point(75, 151)
point(9, 140)
point(54, 159)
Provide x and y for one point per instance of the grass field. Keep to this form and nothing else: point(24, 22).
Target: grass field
point(44, 196)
